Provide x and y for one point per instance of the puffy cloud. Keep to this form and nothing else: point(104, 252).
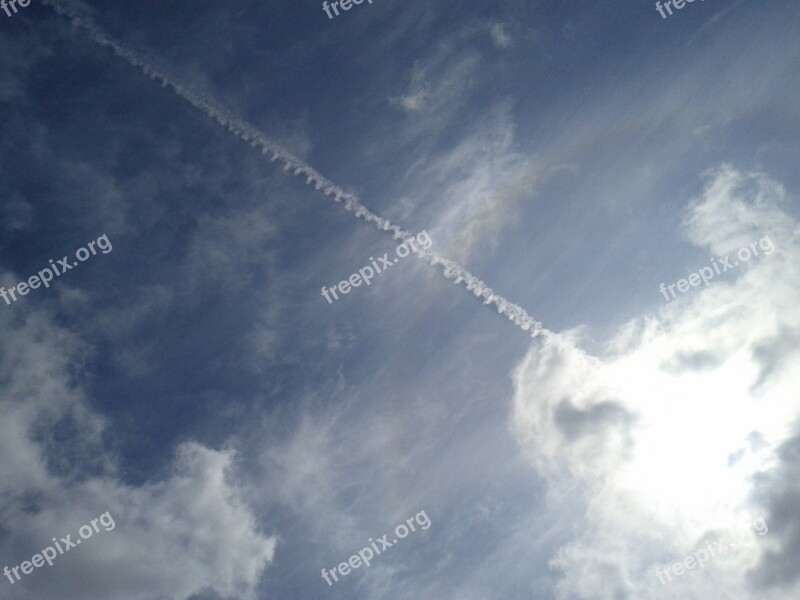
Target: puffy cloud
point(186, 534)
point(681, 433)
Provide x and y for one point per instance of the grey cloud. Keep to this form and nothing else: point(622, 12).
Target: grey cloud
point(181, 534)
point(779, 491)
point(597, 420)
point(16, 214)
point(699, 360)
point(683, 387)
point(774, 353)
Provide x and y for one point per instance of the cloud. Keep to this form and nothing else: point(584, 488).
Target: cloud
point(661, 430)
point(175, 536)
point(780, 492)
point(16, 215)
point(499, 35)
point(478, 184)
point(246, 132)
point(438, 86)
point(416, 95)
point(230, 247)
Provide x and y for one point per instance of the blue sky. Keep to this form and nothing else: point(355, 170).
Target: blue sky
point(245, 434)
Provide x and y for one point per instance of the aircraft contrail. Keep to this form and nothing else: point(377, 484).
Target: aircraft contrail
point(450, 269)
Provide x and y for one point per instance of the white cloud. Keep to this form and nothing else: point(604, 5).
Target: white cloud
point(416, 94)
point(438, 86)
point(475, 190)
point(499, 36)
point(661, 430)
point(174, 538)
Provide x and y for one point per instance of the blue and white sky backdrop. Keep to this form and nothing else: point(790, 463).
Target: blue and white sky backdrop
point(245, 434)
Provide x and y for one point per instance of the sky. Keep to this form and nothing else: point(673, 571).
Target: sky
point(512, 286)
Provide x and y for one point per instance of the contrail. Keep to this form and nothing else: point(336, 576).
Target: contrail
point(450, 269)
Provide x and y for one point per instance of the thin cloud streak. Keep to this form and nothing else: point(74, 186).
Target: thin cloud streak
point(450, 269)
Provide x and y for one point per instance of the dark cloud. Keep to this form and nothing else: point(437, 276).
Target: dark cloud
point(600, 419)
point(698, 361)
point(778, 491)
point(775, 353)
